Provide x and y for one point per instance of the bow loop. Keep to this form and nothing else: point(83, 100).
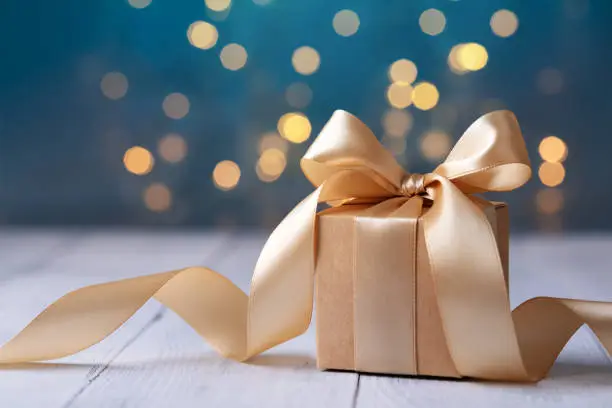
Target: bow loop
point(346, 143)
point(490, 156)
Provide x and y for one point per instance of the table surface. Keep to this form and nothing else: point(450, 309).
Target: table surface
point(156, 360)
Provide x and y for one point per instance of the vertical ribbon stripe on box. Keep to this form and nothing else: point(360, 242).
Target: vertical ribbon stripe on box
point(385, 290)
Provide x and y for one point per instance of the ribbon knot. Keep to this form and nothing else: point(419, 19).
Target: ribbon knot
point(413, 184)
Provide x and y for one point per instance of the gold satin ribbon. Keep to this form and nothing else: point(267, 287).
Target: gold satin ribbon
point(348, 165)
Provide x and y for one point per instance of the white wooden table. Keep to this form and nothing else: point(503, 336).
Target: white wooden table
point(156, 360)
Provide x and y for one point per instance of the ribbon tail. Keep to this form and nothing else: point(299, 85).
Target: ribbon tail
point(486, 339)
point(470, 286)
point(544, 325)
point(237, 326)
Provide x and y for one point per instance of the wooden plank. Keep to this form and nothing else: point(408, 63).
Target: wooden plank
point(157, 360)
point(25, 250)
point(170, 365)
point(583, 373)
point(97, 258)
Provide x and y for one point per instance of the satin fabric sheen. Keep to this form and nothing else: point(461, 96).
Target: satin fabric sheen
point(348, 165)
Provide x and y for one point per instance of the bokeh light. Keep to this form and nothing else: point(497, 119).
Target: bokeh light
point(114, 85)
point(306, 60)
point(218, 5)
point(176, 105)
point(233, 57)
point(504, 23)
point(472, 56)
point(432, 21)
point(298, 95)
point(346, 23)
point(261, 175)
point(550, 81)
point(157, 197)
point(138, 160)
point(272, 162)
point(403, 71)
point(549, 201)
point(551, 174)
point(139, 4)
point(294, 127)
point(397, 123)
point(172, 148)
point(553, 149)
point(453, 61)
point(425, 95)
point(202, 35)
point(271, 140)
point(226, 175)
point(399, 95)
point(435, 145)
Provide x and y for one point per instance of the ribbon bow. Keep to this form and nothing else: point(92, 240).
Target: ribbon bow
point(348, 165)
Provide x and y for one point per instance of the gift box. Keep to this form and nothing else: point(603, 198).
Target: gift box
point(410, 272)
point(380, 315)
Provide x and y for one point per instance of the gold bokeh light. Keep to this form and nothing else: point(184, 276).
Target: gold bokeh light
point(226, 175)
point(202, 35)
point(172, 148)
point(551, 174)
point(397, 122)
point(271, 140)
point(399, 95)
point(403, 71)
point(233, 56)
point(346, 23)
point(453, 60)
point(432, 21)
point(138, 160)
point(176, 105)
point(472, 56)
point(298, 95)
point(266, 178)
point(157, 197)
point(294, 127)
point(425, 95)
point(306, 60)
point(504, 23)
point(272, 162)
point(114, 85)
point(435, 145)
point(552, 149)
point(218, 5)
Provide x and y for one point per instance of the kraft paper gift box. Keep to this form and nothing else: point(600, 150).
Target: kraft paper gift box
point(383, 317)
point(402, 285)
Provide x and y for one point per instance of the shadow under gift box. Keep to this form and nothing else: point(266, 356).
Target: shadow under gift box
point(376, 304)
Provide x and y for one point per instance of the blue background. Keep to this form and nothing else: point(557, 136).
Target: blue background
point(62, 142)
